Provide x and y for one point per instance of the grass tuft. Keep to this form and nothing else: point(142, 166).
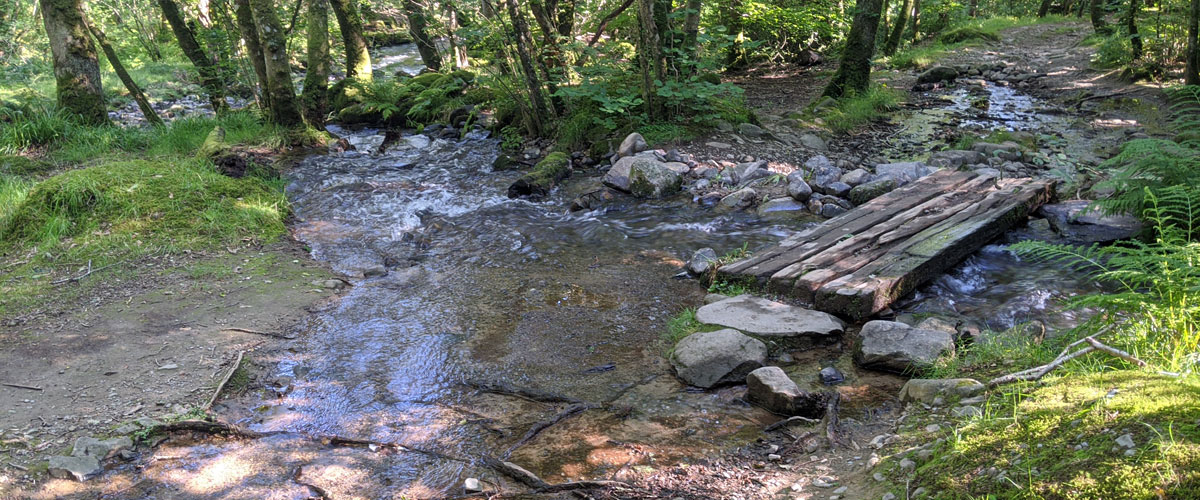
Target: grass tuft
point(855, 111)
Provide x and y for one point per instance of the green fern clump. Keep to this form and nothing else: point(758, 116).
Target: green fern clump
point(1154, 310)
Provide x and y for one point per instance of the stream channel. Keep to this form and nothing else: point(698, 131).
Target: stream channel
point(460, 285)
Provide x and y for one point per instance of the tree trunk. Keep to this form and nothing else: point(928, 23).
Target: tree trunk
point(736, 58)
point(691, 28)
point(854, 73)
point(416, 28)
point(456, 46)
point(1135, 39)
point(209, 76)
point(916, 21)
point(316, 81)
point(893, 41)
point(134, 91)
point(1097, 13)
point(1044, 8)
point(1191, 74)
point(650, 57)
point(284, 110)
point(522, 36)
point(76, 68)
point(358, 59)
point(249, 32)
point(974, 8)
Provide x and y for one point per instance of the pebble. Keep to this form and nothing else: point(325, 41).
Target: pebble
point(472, 485)
point(907, 464)
point(889, 496)
point(823, 482)
point(1126, 440)
point(933, 428)
point(919, 492)
point(878, 477)
point(774, 458)
point(840, 490)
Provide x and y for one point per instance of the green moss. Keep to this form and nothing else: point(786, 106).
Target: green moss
point(543, 177)
point(966, 33)
point(1032, 433)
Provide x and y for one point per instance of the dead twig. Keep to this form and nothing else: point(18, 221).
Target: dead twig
point(531, 480)
point(21, 386)
point(18, 467)
point(256, 332)
point(320, 492)
point(1038, 372)
point(546, 424)
point(237, 363)
point(90, 270)
point(1114, 351)
point(527, 394)
point(789, 421)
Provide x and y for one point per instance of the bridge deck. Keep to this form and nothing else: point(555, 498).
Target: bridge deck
point(858, 263)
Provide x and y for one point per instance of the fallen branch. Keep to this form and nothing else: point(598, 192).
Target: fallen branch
point(831, 419)
point(789, 421)
point(508, 390)
point(321, 493)
point(532, 480)
point(1114, 351)
point(256, 332)
point(1038, 372)
point(18, 467)
point(608, 18)
point(545, 424)
point(21, 386)
point(237, 363)
point(90, 270)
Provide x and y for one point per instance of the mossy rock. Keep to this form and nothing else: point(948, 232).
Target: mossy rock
point(544, 176)
point(964, 34)
point(214, 144)
point(467, 77)
point(428, 80)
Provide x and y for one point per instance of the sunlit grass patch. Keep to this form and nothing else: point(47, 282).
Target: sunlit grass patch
point(855, 111)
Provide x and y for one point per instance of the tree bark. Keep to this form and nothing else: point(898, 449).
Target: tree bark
point(916, 21)
point(1191, 73)
point(650, 58)
point(893, 41)
point(691, 27)
point(416, 28)
point(1044, 8)
point(1135, 39)
point(736, 58)
point(854, 73)
point(460, 52)
point(316, 81)
point(249, 32)
point(1097, 14)
point(76, 68)
point(130, 85)
point(974, 8)
point(522, 36)
point(284, 110)
point(358, 59)
point(209, 75)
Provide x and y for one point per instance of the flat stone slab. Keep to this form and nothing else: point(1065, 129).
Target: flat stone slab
point(899, 348)
point(707, 359)
point(71, 467)
point(759, 316)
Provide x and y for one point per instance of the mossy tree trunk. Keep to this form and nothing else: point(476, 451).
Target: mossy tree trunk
point(1097, 13)
point(284, 110)
point(130, 85)
point(456, 44)
point(691, 28)
point(854, 73)
point(1044, 8)
point(249, 32)
point(76, 67)
point(417, 27)
point(316, 80)
point(1191, 73)
point(358, 58)
point(1135, 39)
point(523, 40)
point(736, 57)
point(893, 41)
point(650, 57)
point(210, 77)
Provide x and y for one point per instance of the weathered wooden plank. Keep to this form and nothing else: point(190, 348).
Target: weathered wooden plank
point(879, 210)
point(924, 255)
point(850, 254)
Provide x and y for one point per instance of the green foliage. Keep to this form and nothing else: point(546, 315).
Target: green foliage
point(786, 29)
point(680, 326)
point(1035, 434)
point(665, 133)
point(1154, 309)
point(30, 128)
point(966, 34)
point(511, 138)
point(857, 110)
point(727, 287)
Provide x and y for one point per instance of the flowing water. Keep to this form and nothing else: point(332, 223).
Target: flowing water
point(462, 286)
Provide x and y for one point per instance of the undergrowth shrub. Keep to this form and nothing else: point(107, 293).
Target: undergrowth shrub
point(857, 110)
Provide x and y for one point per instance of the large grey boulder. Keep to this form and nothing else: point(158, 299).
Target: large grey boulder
point(937, 74)
point(707, 359)
point(748, 171)
point(866, 192)
point(79, 468)
point(856, 177)
point(926, 390)
point(750, 130)
point(633, 144)
point(1079, 226)
point(899, 348)
point(812, 141)
point(956, 158)
point(653, 179)
point(766, 318)
point(770, 388)
point(798, 189)
point(100, 448)
point(903, 172)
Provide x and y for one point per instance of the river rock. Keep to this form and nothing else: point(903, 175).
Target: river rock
point(759, 316)
point(702, 261)
point(750, 130)
point(926, 390)
point(899, 348)
point(100, 448)
point(831, 210)
point(79, 468)
point(903, 172)
point(745, 172)
point(633, 144)
point(871, 190)
point(1008, 151)
point(652, 179)
point(1078, 226)
point(707, 359)
point(798, 189)
point(620, 176)
point(956, 158)
point(812, 141)
point(937, 74)
point(781, 206)
point(831, 375)
point(738, 200)
point(770, 388)
point(837, 188)
point(856, 177)
point(714, 297)
point(678, 167)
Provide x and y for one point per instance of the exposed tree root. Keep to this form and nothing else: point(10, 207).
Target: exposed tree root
point(545, 424)
point(237, 363)
point(832, 432)
point(523, 476)
point(790, 421)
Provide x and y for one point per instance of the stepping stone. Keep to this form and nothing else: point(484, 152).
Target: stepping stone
point(766, 318)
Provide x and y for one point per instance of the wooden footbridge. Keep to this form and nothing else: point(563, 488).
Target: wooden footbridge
point(858, 263)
